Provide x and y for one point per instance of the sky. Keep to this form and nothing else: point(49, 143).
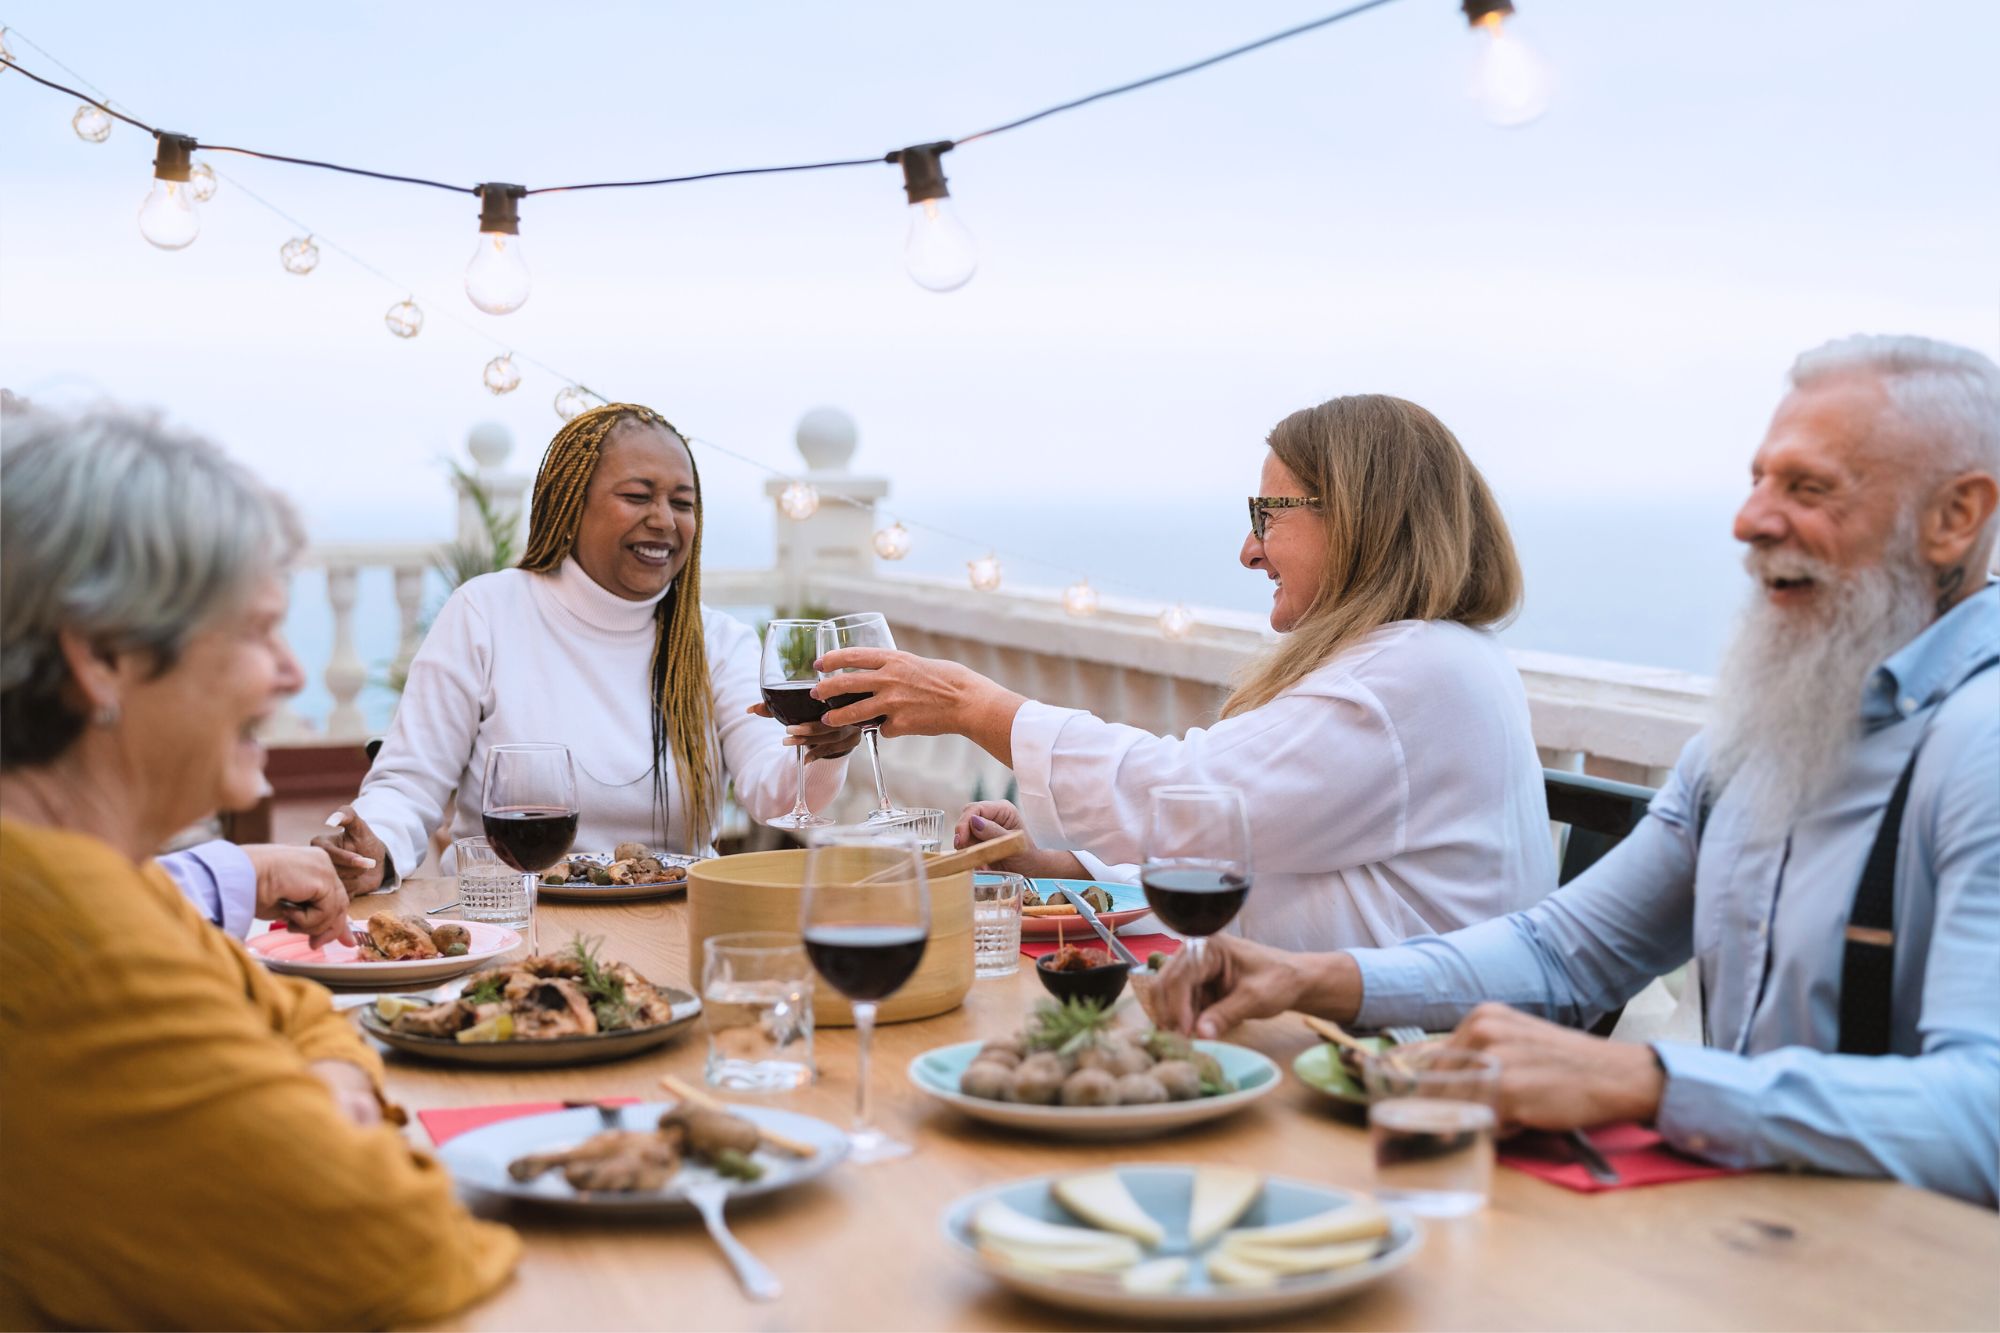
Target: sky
point(1602, 304)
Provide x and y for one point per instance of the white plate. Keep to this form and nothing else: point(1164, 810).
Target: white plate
point(1165, 1192)
point(937, 1072)
point(478, 1159)
point(340, 965)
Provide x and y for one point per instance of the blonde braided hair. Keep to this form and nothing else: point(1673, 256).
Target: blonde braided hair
point(685, 717)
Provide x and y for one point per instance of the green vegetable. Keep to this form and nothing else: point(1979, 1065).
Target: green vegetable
point(1066, 1026)
point(606, 992)
point(1155, 961)
point(485, 989)
point(458, 950)
point(735, 1165)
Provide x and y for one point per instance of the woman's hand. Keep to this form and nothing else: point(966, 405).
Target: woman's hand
point(920, 696)
point(820, 740)
point(357, 854)
point(983, 821)
point(297, 885)
point(353, 1091)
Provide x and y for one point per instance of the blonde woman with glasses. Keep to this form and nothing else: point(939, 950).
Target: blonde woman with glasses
point(1382, 745)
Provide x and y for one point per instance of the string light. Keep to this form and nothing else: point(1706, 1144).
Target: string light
point(201, 182)
point(168, 218)
point(497, 278)
point(502, 375)
point(91, 124)
point(572, 400)
point(1509, 81)
point(892, 542)
point(1080, 599)
point(798, 501)
point(405, 319)
point(938, 251)
point(299, 255)
point(6, 53)
point(984, 572)
point(1176, 621)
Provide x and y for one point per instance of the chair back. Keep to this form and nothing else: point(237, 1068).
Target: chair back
point(1599, 813)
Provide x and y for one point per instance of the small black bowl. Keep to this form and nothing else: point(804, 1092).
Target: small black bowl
point(1101, 985)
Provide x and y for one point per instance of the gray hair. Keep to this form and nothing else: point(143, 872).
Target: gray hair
point(123, 531)
point(1949, 395)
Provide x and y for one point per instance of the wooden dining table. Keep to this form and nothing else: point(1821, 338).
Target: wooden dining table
point(862, 1248)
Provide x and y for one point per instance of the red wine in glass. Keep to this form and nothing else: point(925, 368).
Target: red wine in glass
point(530, 839)
point(529, 808)
point(1195, 901)
point(793, 704)
point(865, 962)
point(786, 674)
point(848, 701)
point(1197, 860)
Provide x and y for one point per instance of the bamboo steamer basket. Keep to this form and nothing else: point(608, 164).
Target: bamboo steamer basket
point(760, 891)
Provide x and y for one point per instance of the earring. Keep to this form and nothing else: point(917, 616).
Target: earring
point(106, 715)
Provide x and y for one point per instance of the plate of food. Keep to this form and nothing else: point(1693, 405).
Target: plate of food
point(539, 1012)
point(1335, 1072)
point(1070, 1072)
point(644, 1157)
point(1179, 1244)
point(388, 950)
point(628, 872)
point(1045, 913)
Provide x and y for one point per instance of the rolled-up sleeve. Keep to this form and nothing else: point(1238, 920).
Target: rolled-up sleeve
point(219, 880)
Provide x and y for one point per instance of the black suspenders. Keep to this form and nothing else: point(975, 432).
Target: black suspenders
point(1868, 965)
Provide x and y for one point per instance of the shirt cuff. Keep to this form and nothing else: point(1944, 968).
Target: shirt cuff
point(218, 878)
point(1036, 729)
point(1398, 985)
point(1709, 1107)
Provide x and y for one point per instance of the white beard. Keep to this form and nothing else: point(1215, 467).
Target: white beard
point(1787, 705)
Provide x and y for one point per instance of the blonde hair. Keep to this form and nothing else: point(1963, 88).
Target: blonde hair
point(1412, 533)
point(685, 716)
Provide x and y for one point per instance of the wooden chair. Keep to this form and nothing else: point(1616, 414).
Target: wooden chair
point(1599, 813)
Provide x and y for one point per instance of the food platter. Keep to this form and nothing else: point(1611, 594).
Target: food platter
point(616, 893)
point(290, 952)
point(1320, 1068)
point(937, 1073)
point(479, 1159)
point(540, 1053)
point(1128, 903)
point(1165, 1194)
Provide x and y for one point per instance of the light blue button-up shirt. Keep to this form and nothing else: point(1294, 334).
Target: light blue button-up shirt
point(1765, 1089)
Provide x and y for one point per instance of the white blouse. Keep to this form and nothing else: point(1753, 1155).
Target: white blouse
point(517, 657)
point(1395, 791)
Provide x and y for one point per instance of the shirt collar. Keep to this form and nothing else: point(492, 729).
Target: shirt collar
point(1932, 665)
point(587, 600)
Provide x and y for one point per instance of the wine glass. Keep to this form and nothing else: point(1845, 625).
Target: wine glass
point(787, 677)
point(865, 918)
point(866, 629)
point(1197, 868)
point(530, 814)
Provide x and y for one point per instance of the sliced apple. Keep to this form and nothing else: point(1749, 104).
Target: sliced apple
point(1101, 1199)
point(1234, 1272)
point(1293, 1260)
point(1354, 1221)
point(1222, 1194)
point(1155, 1277)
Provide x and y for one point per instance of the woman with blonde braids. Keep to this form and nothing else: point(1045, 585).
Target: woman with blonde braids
point(598, 641)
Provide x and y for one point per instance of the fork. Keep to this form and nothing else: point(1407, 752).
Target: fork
point(759, 1283)
point(1405, 1036)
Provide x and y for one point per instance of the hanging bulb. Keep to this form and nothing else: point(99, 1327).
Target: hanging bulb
point(299, 255)
point(985, 572)
point(573, 400)
point(91, 124)
point(798, 501)
point(202, 182)
point(405, 319)
point(501, 375)
point(167, 218)
point(1080, 599)
point(497, 278)
point(892, 542)
point(939, 252)
point(1509, 81)
point(1176, 621)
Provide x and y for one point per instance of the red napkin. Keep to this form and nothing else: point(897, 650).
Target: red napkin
point(450, 1122)
point(1637, 1153)
point(1084, 938)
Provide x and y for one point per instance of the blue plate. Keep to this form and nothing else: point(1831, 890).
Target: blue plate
point(1128, 903)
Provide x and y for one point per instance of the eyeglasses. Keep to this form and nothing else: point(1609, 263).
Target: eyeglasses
point(1261, 505)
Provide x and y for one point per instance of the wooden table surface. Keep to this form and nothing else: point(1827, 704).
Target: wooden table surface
point(861, 1249)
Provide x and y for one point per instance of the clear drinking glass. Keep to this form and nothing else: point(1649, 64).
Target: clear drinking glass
point(1197, 868)
point(865, 917)
point(757, 1004)
point(1431, 1116)
point(491, 890)
point(787, 677)
point(866, 629)
point(927, 824)
point(996, 922)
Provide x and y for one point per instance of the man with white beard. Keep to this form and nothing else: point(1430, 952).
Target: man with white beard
point(1828, 849)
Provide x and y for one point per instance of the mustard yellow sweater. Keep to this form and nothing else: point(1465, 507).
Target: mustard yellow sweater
point(166, 1158)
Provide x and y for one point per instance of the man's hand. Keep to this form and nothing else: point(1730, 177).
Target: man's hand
point(297, 885)
point(357, 854)
point(1237, 980)
point(1553, 1077)
point(820, 740)
point(983, 821)
point(353, 1092)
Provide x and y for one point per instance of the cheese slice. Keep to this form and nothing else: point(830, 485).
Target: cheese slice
point(1113, 1254)
point(1101, 1199)
point(1355, 1221)
point(1293, 1260)
point(1155, 1277)
point(1222, 1194)
point(997, 1221)
point(1233, 1272)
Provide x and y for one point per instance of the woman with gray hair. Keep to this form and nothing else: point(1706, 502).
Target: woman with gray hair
point(216, 1134)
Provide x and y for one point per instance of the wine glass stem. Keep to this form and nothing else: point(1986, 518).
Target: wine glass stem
point(799, 806)
point(864, 1033)
point(882, 803)
point(1197, 949)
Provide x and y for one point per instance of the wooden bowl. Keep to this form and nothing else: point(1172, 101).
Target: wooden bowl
point(760, 891)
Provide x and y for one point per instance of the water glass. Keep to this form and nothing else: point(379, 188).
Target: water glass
point(757, 1004)
point(927, 824)
point(996, 923)
point(1431, 1116)
point(491, 890)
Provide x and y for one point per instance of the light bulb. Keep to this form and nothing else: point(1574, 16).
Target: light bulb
point(501, 375)
point(892, 542)
point(405, 319)
point(300, 255)
point(201, 179)
point(497, 278)
point(939, 252)
point(167, 218)
point(91, 124)
point(1510, 83)
point(798, 501)
point(6, 51)
point(984, 572)
point(573, 400)
point(1080, 599)
point(1176, 621)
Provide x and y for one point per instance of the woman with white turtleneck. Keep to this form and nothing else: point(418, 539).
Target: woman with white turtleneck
point(597, 641)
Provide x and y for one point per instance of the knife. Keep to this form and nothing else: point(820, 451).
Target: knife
point(1590, 1159)
point(1089, 914)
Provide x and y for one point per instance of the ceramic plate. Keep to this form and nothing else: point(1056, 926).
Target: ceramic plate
point(478, 1159)
point(615, 893)
point(1128, 903)
point(1165, 1192)
point(540, 1054)
point(1319, 1068)
point(340, 965)
point(937, 1073)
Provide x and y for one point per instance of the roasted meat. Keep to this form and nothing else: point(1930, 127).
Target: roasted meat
point(554, 1007)
point(622, 1160)
point(648, 1005)
point(399, 937)
point(439, 1020)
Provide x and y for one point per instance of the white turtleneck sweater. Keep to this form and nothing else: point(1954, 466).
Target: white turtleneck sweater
point(516, 657)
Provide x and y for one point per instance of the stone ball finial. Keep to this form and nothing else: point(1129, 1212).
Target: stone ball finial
point(489, 443)
point(826, 437)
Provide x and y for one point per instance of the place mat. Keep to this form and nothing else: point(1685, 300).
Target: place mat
point(1636, 1152)
point(1085, 938)
point(450, 1122)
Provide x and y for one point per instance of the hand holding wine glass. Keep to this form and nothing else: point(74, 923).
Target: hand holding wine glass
point(866, 629)
point(1197, 868)
point(787, 677)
